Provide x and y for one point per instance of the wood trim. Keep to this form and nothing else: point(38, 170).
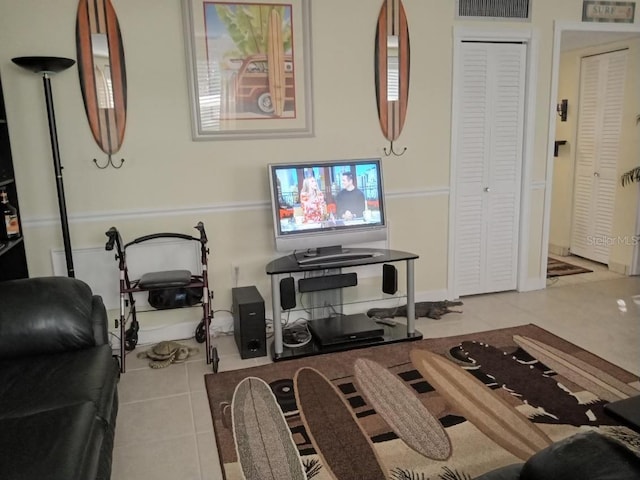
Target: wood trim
point(392, 20)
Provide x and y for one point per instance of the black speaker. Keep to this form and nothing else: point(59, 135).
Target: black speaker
point(328, 282)
point(389, 279)
point(287, 293)
point(249, 326)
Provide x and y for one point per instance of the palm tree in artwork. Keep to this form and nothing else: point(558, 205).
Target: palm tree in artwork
point(248, 27)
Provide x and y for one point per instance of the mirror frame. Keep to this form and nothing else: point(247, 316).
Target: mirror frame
point(392, 21)
point(107, 124)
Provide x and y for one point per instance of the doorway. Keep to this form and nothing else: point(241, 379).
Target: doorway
point(573, 41)
point(492, 135)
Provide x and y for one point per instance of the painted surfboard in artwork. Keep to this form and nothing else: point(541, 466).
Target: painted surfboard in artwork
point(275, 63)
point(345, 449)
point(589, 377)
point(392, 20)
point(102, 72)
point(402, 410)
point(265, 447)
point(491, 414)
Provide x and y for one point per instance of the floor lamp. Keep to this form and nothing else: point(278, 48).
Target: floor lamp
point(46, 66)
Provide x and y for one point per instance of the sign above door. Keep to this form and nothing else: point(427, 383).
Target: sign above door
point(605, 11)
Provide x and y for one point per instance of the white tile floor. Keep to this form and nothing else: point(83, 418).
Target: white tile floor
point(164, 429)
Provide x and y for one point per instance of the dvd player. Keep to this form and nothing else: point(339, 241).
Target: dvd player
point(345, 329)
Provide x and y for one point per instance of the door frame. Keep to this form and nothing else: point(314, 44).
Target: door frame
point(530, 38)
point(559, 27)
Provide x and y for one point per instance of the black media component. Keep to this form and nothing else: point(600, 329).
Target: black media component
point(287, 293)
point(389, 279)
point(327, 282)
point(345, 329)
point(249, 327)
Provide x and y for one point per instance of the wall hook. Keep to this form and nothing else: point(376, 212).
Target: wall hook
point(109, 162)
point(391, 150)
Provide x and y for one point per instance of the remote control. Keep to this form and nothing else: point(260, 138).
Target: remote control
point(386, 321)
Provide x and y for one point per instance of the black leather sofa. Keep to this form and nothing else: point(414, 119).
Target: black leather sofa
point(58, 381)
point(584, 456)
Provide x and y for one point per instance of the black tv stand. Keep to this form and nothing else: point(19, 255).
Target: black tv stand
point(336, 258)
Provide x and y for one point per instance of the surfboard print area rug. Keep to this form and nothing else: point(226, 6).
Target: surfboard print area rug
point(446, 408)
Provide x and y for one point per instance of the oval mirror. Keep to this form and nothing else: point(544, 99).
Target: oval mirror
point(392, 68)
point(102, 72)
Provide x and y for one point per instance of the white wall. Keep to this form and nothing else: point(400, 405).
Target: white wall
point(170, 182)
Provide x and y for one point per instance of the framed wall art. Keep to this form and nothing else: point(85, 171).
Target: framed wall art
point(249, 65)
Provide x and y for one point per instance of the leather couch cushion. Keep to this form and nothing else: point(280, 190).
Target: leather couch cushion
point(584, 456)
point(33, 384)
point(59, 444)
point(45, 315)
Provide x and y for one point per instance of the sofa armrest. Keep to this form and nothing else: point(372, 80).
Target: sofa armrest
point(99, 320)
point(47, 315)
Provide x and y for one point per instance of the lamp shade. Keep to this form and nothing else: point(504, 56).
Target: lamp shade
point(44, 64)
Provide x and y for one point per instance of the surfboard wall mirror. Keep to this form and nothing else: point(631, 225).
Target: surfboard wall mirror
point(392, 70)
point(102, 75)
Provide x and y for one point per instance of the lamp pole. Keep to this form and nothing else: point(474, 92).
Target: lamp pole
point(46, 66)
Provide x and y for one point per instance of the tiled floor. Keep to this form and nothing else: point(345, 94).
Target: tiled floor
point(164, 429)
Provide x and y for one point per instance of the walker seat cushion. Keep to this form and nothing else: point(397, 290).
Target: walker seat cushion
point(169, 278)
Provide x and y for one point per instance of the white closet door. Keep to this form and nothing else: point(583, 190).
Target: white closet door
point(490, 113)
point(602, 79)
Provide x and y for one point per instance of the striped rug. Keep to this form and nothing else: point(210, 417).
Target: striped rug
point(442, 408)
point(558, 268)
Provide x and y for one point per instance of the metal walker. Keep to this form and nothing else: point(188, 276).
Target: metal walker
point(161, 281)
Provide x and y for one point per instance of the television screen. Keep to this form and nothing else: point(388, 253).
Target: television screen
point(327, 203)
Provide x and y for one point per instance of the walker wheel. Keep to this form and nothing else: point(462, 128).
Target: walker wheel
point(131, 339)
point(201, 334)
point(215, 359)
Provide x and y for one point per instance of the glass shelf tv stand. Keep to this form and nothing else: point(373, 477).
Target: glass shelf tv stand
point(351, 257)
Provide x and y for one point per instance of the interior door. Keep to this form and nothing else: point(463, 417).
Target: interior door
point(490, 79)
point(602, 80)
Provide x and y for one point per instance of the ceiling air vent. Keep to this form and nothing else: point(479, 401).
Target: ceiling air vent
point(494, 9)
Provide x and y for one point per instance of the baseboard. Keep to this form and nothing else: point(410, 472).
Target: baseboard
point(558, 250)
point(533, 284)
point(221, 324)
point(171, 325)
point(619, 268)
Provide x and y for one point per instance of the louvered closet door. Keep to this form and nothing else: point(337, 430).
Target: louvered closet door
point(490, 115)
point(602, 79)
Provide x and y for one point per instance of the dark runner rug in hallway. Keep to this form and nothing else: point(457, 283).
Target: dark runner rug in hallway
point(558, 268)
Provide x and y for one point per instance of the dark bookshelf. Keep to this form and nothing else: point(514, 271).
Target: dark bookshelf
point(13, 259)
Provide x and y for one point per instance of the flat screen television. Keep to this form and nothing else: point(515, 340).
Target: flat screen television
point(324, 205)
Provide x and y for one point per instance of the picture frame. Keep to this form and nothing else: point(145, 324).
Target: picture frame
point(249, 68)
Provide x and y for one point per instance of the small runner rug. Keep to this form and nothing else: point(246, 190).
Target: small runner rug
point(558, 268)
point(443, 408)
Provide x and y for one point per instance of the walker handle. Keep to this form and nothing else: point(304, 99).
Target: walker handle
point(112, 233)
point(203, 234)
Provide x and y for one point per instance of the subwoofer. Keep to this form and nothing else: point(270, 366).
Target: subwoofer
point(249, 326)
